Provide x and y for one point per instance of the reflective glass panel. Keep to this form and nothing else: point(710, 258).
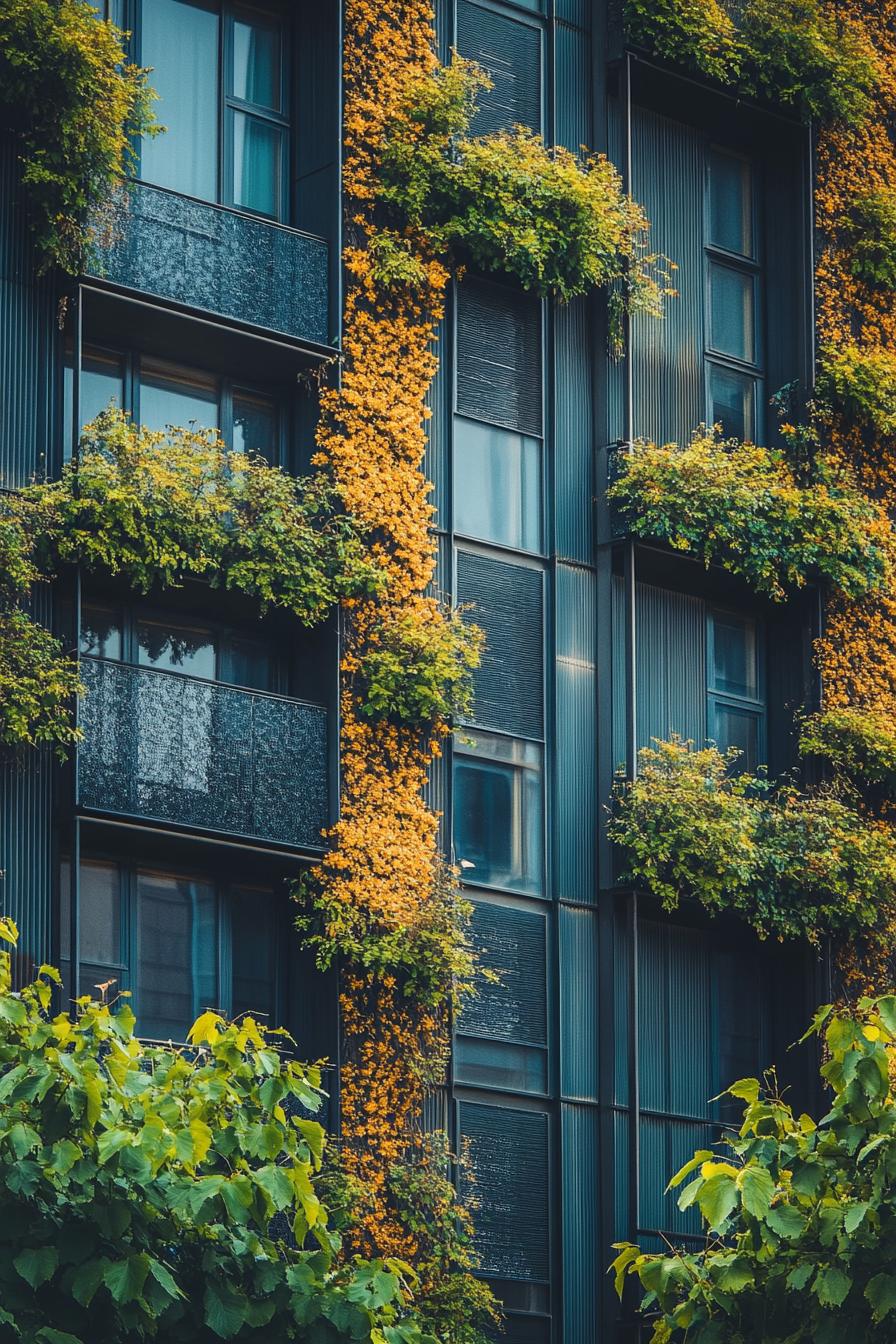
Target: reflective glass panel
point(173, 396)
point(177, 954)
point(100, 913)
point(497, 485)
point(734, 655)
point(739, 728)
point(256, 63)
point(732, 317)
point(247, 662)
point(732, 399)
point(500, 1064)
point(176, 648)
point(257, 156)
point(179, 41)
point(255, 425)
point(498, 807)
point(100, 631)
point(102, 382)
point(730, 203)
point(252, 936)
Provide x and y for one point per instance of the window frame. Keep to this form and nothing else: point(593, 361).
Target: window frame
point(462, 750)
point(745, 265)
point(755, 706)
point(228, 103)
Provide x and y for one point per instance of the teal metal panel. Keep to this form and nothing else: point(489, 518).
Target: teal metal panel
point(671, 666)
point(574, 480)
point(28, 335)
point(667, 179)
point(579, 1002)
point(576, 12)
point(572, 73)
point(581, 1227)
point(575, 805)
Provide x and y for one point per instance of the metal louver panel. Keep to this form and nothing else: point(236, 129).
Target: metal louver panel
point(512, 943)
point(499, 356)
point(507, 1151)
point(507, 602)
point(510, 52)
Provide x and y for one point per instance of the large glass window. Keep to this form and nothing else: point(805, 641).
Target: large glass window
point(498, 811)
point(222, 143)
point(733, 355)
point(736, 703)
point(498, 485)
point(180, 942)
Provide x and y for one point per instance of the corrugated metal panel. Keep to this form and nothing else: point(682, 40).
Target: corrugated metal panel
point(574, 484)
point(668, 356)
point(579, 1002)
point(665, 1147)
point(512, 943)
point(27, 335)
point(577, 12)
point(507, 602)
point(676, 1021)
point(671, 666)
point(581, 1231)
point(572, 55)
point(438, 439)
point(575, 816)
point(499, 355)
point(510, 51)
point(507, 1181)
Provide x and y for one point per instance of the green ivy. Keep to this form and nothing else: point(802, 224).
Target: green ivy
point(859, 745)
point(138, 1187)
point(557, 223)
point(746, 507)
point(860, 383)
point(871, 234)
point(800, 1214)
point(792, 864)
point(419, 668)
point(800, 53)
point(38, 685)
point(77, 106)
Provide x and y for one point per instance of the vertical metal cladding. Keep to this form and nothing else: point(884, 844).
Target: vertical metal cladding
point(27, 334)
point(580, 1224)
point(510, 50)
point(574, 476)
point(575, 812)
point(668, 356)
point(579, 1003)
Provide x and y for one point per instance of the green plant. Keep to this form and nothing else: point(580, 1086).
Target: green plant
point(861, 384)
point(801, 53)
point(38, 685)
point(453, 1304)
point(418, 668)
point(744, 506)
point(558, 223)
point(792, 864)
point(859, 744)
point(800, 1214)
point(77, 105)
point(138, 1186)
point(871, 234)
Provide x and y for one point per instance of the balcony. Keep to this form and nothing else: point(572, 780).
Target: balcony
point(219, 261)
point(198, 754)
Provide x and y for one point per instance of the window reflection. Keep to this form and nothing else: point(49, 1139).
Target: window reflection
point(497, 485)
point(171, 395)
point(498, 812)
point(179, 40)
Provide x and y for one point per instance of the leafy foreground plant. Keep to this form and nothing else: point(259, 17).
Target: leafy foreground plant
point(746, 507)
point(138, 1187)
point(792, 864)
point(859, 745)
point(800, 1214)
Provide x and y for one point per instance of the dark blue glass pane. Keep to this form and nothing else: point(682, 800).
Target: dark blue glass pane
point(732, 398)
point(257, 155)
point(252, 933)
point(256, 63)
point(498, 812)
point(180, 43)
point(497, 485)
point(731, 203)
point(177, 954)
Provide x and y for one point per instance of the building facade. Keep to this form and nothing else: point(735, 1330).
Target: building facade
point(157, 858)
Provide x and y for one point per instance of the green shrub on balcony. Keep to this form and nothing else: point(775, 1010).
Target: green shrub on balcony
point(139, 1186)
point(801, 53)
point(860, 383)
point(77, 106)
point(38, 685)
point(799, 1214)
point(746, 507)
point(558, 223)
point(792, 864)
point(859, 745)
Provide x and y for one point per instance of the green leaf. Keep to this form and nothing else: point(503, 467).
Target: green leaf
point(800, 1275)
point(832, 1286)
point(745, 1089)
point(787, 1221)
point(125, 1278)
point(164, 1278)
point(697, 1160)
point(110, 1142)
point(887, 1009)
point(202, 1140)
point(225, 1309)
point(881, 1293)
point(736, 1274)
point(718, 1199)
point(13, 1011)
point(757, 1190)
point(37, 1266)
point(87, 1279)
point(47, 1335)
point(854, 1217)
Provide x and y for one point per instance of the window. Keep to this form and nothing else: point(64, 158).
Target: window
point(498, 449)
point(498, 811)
point(220, 73)
point(211, 652)
point(159, 393)
point(733, 355)
point(180, 942)
point(736, 703)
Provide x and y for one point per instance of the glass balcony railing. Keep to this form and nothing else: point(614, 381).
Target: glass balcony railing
point(199, 754)
point(219, 261)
